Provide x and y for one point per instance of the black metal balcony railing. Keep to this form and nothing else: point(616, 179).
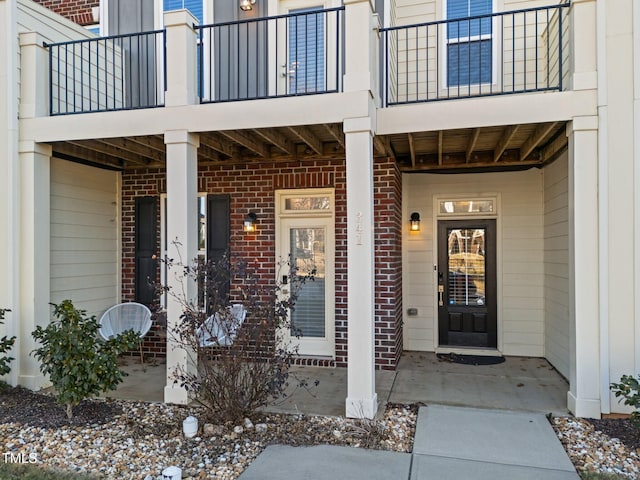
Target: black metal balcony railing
point(284, 55)
point(119, 72)
point(502, 53)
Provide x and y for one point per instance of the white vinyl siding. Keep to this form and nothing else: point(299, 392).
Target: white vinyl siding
point(556, 264)
point(84, 236)
point(520, 255)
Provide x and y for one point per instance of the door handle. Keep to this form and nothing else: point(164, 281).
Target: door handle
point(440, 295)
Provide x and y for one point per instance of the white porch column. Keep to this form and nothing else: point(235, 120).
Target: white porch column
point(360, 75)
point(584, 379)
point(35, 168)
point(182, 235)
point(362, 400)
point(181, 58)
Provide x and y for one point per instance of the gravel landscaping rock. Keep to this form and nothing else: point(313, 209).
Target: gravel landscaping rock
point(136, 440)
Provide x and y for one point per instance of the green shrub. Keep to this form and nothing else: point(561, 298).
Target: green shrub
point(629, 389)
point(5, 345)
point(77, 362)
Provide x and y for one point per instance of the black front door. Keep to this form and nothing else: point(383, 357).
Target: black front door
point(467, 283)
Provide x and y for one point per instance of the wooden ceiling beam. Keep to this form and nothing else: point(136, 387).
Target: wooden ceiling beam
point(432, 167)
point(82, 153)
point(277, 139)
point(552, 148)
point(379, 146)
point(256, 146)
point(218, 144)
point(152, 141)
point(473, 139)
point(440, 142)
point(508, 134)
point(412, 149)
point(389, 149)
point(308, 137)
point(337, 134)
point(535, 138)
point(135, 147)
point(116, 152)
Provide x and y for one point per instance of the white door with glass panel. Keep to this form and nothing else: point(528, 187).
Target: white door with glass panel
point(305, 238)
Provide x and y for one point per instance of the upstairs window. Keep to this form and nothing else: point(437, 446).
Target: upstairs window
point(469, 42)
point(194, 6)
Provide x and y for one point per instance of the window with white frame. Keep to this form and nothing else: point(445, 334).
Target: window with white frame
point(469, 42)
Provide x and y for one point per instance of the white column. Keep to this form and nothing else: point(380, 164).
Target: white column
point(362, 400)
point(584, 378)
point(182, 238)
point(181, 58)
point(35, 168)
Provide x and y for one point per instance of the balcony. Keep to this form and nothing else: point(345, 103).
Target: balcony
point(280, 56)
point(303, 54)
point(121, 72)
point(497, 54)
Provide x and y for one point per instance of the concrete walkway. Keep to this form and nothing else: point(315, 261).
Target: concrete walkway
point(451, 443)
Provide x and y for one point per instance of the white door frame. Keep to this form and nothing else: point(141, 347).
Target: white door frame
point(325, 218)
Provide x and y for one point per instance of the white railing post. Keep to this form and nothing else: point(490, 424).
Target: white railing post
point(361, 46)
point(34, 76)
point(182, 58)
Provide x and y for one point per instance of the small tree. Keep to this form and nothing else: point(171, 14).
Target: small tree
point(5, 345)
point(77, 362)
point(234, 379)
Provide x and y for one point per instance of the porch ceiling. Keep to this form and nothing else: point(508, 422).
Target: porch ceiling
point(469, 149)
point(477, 149)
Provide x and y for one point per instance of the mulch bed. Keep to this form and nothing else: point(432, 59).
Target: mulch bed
point(29, 408)
point(621, 428)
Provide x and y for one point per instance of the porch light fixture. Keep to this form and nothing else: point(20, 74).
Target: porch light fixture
point(415, 222)
point(246, 5)
point(249, 225)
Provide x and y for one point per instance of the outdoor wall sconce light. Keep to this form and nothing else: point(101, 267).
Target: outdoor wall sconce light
point(249, 225)
point(415, 222)
point(246, 5)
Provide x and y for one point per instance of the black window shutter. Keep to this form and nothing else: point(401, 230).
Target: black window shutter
point(218, 238)
point(146, 234)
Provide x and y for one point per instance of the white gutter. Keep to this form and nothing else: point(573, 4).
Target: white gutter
point(603, 204)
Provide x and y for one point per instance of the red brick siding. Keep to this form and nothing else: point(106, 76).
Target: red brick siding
point(388, 263)
point(78, 11)
point(251, 188)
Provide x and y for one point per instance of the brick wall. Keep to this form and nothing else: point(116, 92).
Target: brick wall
point(78, 11)
point(251, 188)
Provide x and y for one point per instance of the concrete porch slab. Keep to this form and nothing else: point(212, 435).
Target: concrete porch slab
point(520, 383)
point(490, 436)
point(327, 462)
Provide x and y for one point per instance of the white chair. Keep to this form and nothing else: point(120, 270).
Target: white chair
point(221, 330)
point(123, 317)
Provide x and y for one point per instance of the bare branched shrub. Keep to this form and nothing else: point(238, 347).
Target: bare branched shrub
point(241, 363)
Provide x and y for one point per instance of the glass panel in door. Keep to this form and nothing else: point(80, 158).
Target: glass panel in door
point(307, 247)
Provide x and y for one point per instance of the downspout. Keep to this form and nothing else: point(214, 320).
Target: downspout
point(636, 178)
point(9, 41)
point(603, 204)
